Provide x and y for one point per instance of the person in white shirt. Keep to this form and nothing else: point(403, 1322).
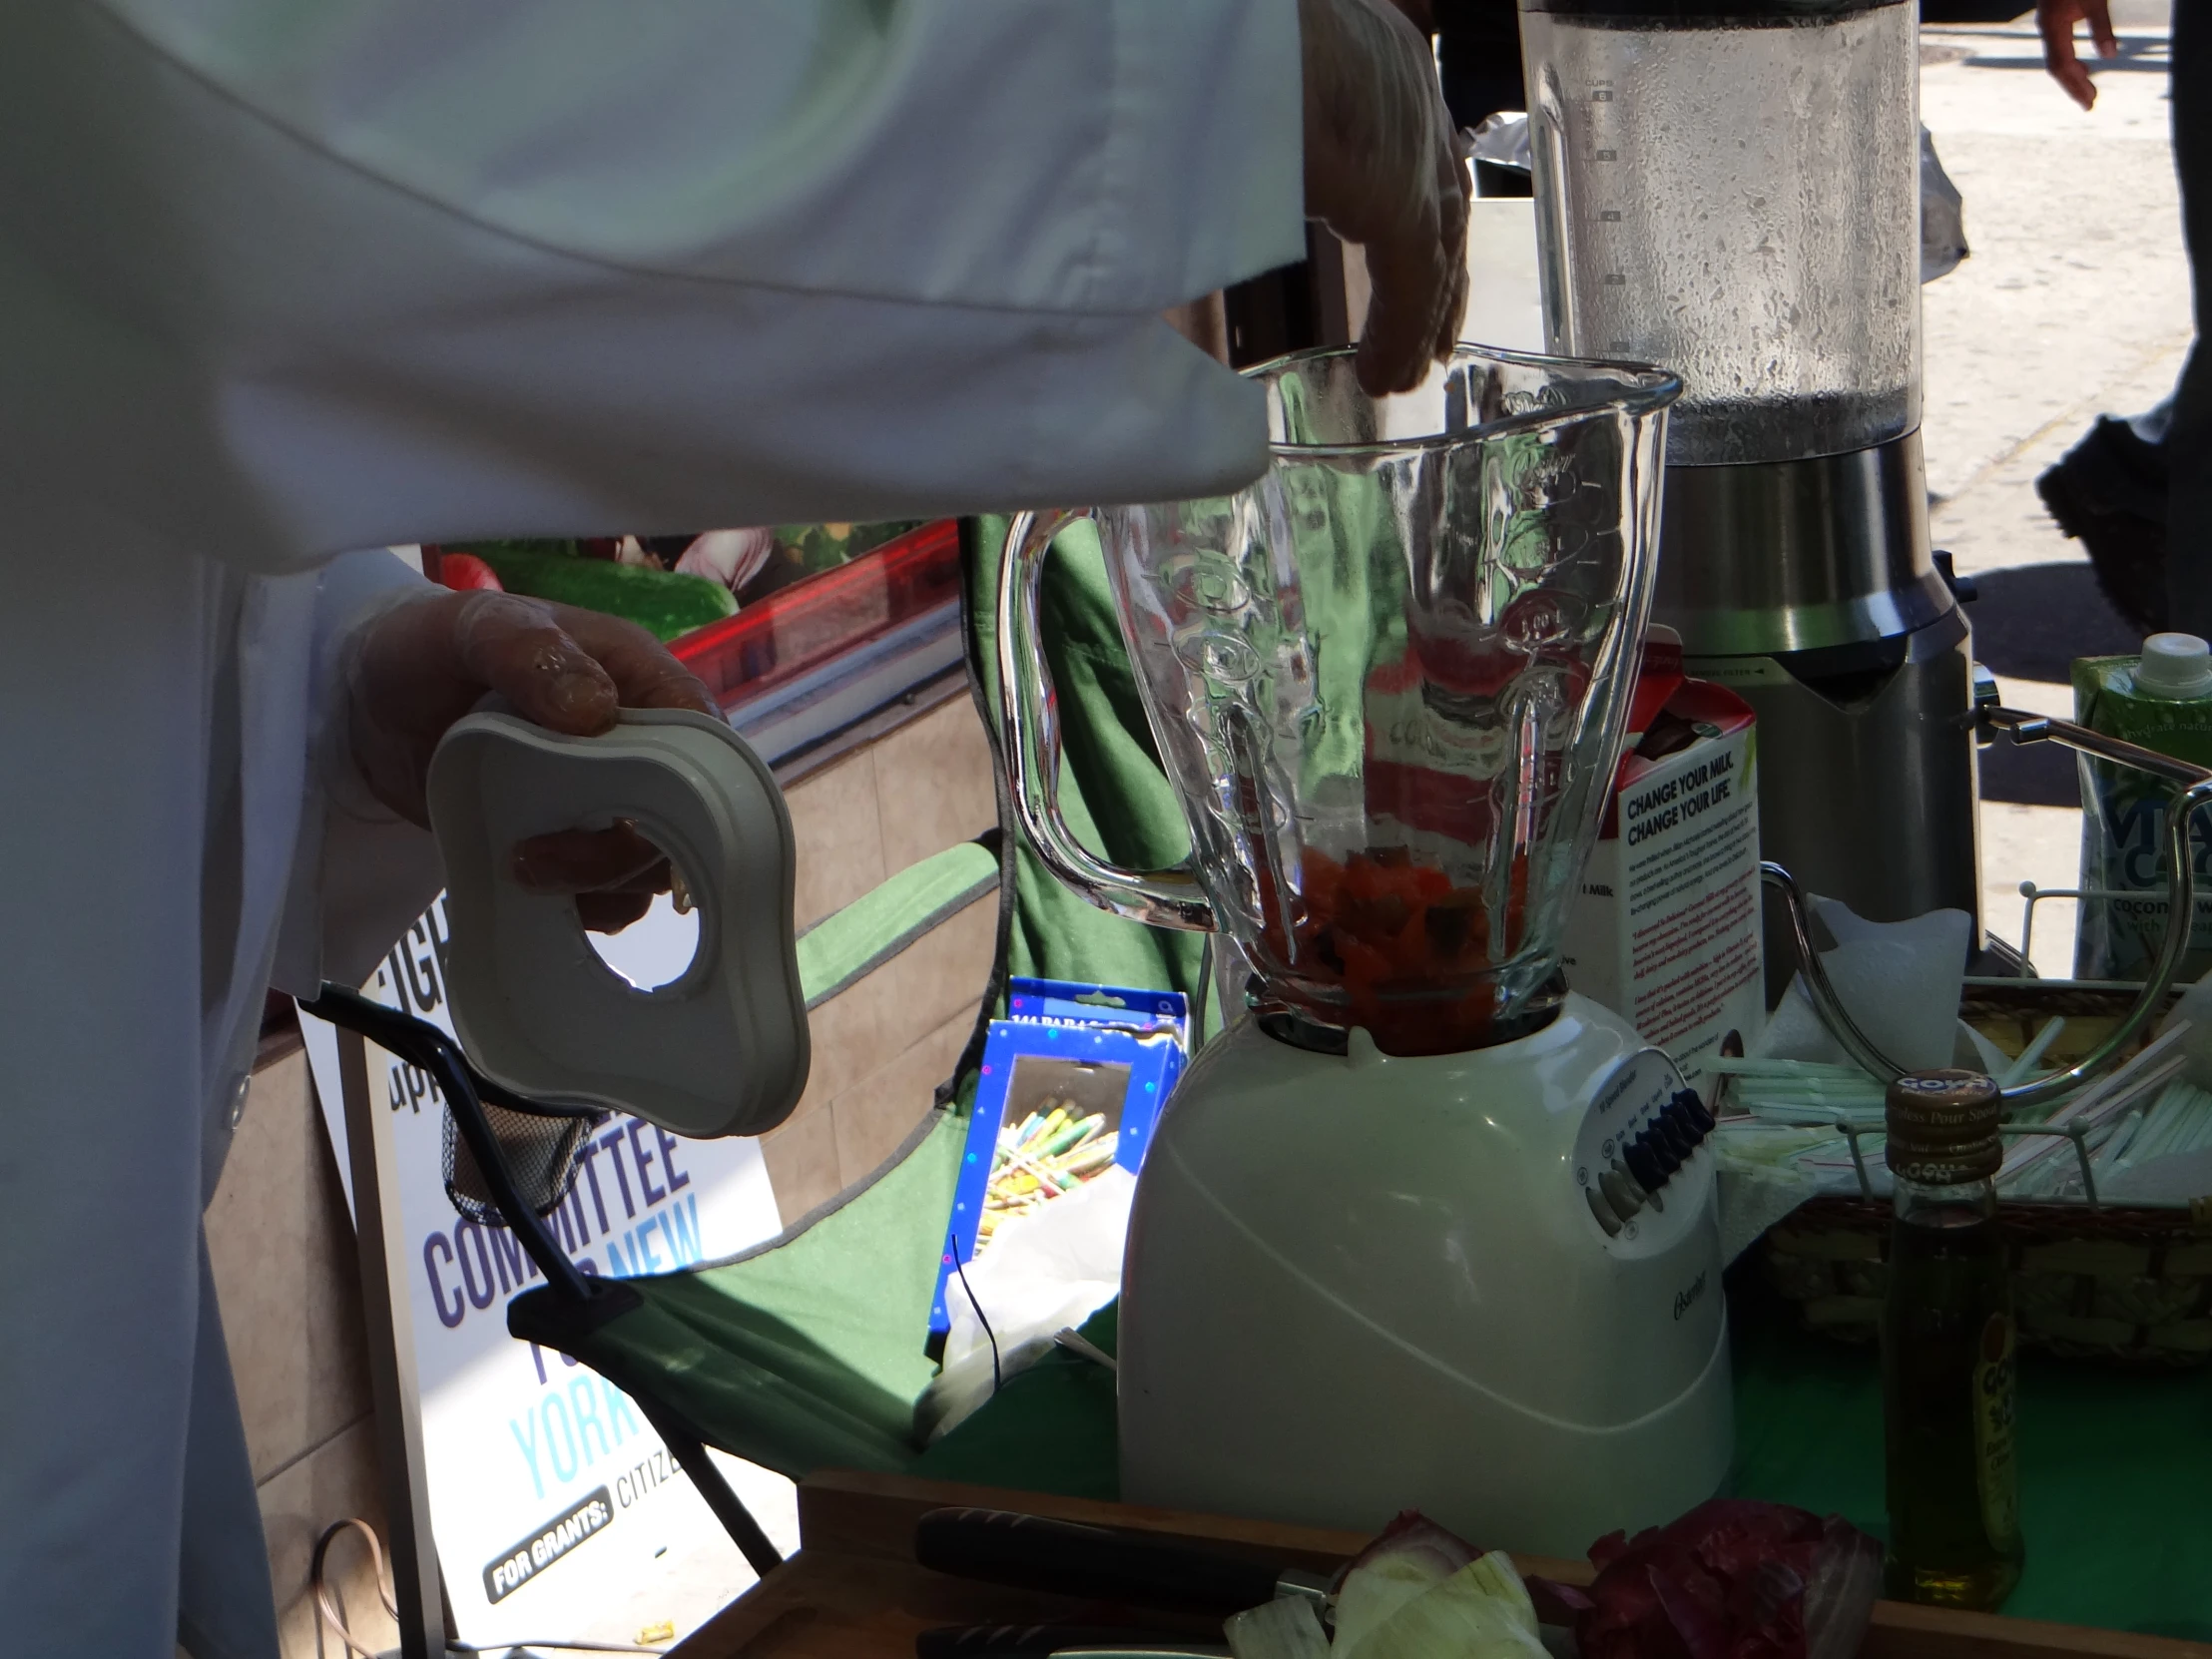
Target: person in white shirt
point(279, 282)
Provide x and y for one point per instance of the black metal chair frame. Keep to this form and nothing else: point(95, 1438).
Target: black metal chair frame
point(587, 1299)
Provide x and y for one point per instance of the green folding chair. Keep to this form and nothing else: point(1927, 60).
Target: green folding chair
point(812, 1351)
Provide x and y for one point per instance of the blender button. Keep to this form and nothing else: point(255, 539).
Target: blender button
point(1643, 1166)
point(1683, 1126)
point(1694, 1109)
point(1619, 1194)
point(1657, 1203)
point(1605, 1217)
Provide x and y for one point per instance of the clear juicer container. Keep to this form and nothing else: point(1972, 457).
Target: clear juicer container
point(1731, 188)
point(1389, 681)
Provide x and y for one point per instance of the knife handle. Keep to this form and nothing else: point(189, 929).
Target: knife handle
point(1040, 1641)
point(1088, 1562)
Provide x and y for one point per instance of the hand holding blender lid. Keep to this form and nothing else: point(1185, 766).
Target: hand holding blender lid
point(720, 1050)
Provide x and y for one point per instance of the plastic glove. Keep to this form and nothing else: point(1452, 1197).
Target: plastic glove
point(1383, 169)
point(422, 664)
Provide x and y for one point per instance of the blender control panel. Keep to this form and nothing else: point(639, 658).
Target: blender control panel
point(1635, 1161)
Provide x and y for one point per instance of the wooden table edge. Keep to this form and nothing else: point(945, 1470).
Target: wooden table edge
point(848, 1518)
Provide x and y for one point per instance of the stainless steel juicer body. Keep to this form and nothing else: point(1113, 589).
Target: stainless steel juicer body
point(1807, 587)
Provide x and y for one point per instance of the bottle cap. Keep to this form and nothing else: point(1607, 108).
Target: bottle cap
point(2176, 666)
point(1943, 1127)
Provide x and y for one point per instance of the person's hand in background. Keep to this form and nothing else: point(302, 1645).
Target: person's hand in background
point(1382, 169)
point(2057, 19)
point(423, 664)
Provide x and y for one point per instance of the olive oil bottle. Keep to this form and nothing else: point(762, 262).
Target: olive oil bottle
point(1947, 1342)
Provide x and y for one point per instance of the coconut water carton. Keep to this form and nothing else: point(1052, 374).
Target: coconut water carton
point(2161, 700)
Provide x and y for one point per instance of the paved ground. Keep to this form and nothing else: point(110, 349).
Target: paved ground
point(2075, 301)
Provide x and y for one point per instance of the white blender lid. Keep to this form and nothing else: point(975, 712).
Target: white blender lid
point(722, 1049)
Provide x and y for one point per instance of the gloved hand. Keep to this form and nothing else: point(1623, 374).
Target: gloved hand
point(1382, 169)
point(424, 663)
point(2056, 20)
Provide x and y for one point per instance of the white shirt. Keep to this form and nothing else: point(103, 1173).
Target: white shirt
point(282, 280)
point(305, 278)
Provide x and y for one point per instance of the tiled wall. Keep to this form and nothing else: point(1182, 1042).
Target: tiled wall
point(282, 1243)
point(286, 1271)
point(882, 1047)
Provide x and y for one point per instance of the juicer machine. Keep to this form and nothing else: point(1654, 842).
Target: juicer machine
point(1731, 189)
point(1421, 1229)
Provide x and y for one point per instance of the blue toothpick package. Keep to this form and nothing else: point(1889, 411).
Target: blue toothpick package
point(1072, 1083)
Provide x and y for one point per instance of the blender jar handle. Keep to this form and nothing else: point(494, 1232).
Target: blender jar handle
point(1029, 717)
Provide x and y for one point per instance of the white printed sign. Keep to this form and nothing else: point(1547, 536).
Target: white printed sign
point(556, 1509)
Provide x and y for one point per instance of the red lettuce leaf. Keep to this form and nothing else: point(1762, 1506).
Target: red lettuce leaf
point(1612, 1544)
point(1732, 1579)
point(1696, 1611)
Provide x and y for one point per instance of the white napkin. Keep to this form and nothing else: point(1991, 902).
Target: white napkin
point(1753, 1196)
point(1901, 980)
point(1042, 1271)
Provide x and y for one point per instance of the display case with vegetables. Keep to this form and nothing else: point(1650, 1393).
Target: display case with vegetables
point(804, 633)
point(670, 584)
point(668, 602)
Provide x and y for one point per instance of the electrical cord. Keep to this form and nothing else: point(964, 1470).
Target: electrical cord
point(959, 1267)
point(326, 1607)
point(1205, 996)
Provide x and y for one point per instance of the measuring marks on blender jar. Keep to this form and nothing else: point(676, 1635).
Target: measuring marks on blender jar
point(1604, 144)
point(1636, 1156)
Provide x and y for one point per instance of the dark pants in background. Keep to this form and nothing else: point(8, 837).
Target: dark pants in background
point(2188, 443)
point(1479, 57)
point(2137, 491)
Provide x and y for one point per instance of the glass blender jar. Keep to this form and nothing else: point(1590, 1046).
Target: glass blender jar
point(1388, 682)
point(1731, 188)
point(1383, 1250)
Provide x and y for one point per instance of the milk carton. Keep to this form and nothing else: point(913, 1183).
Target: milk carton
point(1666, 928)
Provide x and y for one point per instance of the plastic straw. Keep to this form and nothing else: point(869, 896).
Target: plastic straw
point(2017, 1071)
point(2153, 1067)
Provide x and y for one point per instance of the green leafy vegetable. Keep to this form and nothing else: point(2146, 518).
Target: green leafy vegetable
point(667, 601)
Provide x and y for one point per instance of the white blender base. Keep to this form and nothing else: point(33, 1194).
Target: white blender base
point(1363, 1284)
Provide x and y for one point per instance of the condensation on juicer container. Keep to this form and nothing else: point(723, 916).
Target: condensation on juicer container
point(1679, 148)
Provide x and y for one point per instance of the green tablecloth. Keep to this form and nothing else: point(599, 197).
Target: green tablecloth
point(2116, 1503)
